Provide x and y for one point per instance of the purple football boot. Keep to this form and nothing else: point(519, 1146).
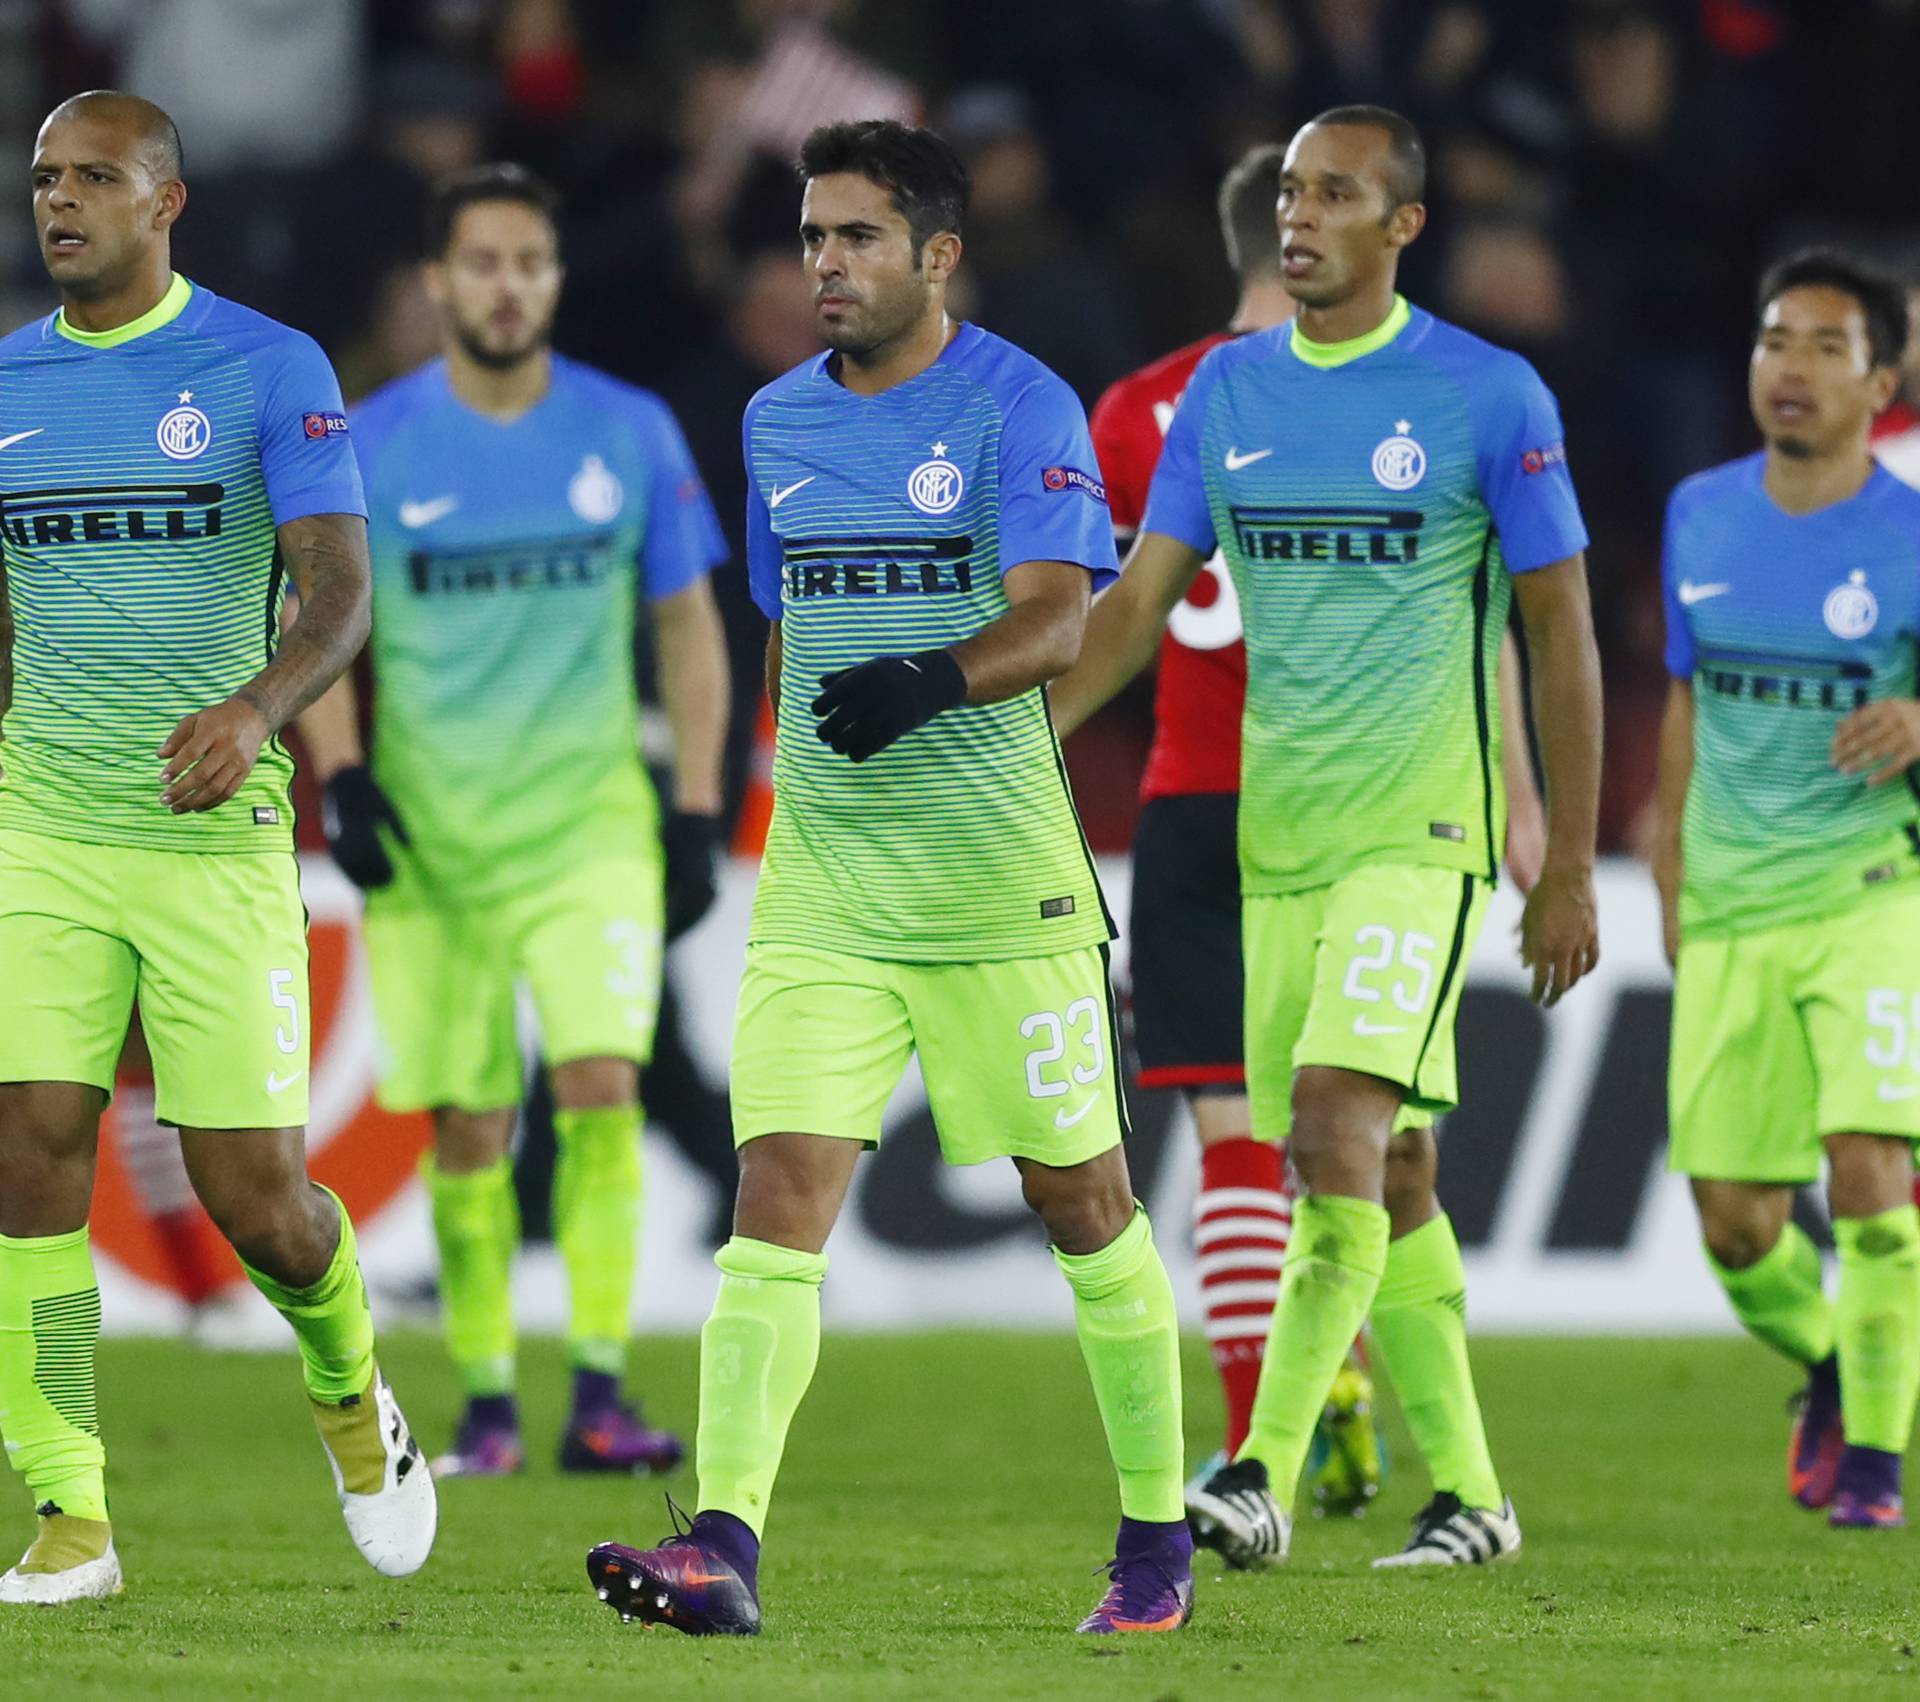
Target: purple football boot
point(1150, 1581)
point(1813, 1452)
point(606, 1435)
point(1866, 1493)
point(488, 1441)
point(703, 1581)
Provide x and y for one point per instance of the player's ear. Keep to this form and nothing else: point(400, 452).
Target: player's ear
point(169, 202)
point(433, 279)
point(1883, 384)
point(941, 256)
point(1405, 223)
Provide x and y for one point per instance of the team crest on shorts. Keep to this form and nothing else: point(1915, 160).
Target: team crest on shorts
point(1399, 462)
point(1851, 609)
point(594, 493)
point(183, 431)
point(936, 486)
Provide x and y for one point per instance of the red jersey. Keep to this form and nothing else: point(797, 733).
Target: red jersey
point(1202, 683)
point(1896, 442)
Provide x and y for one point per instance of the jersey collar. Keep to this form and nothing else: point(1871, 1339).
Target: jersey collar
point(1339, 354)
point(163, 312)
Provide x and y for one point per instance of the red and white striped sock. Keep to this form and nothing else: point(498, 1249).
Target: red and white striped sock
point(1241, 1223)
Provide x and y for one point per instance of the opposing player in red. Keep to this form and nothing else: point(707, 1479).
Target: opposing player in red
point(1185, 922)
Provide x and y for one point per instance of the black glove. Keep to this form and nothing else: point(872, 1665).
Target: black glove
point(352, 811)
point(692, 843)
point(863, 710)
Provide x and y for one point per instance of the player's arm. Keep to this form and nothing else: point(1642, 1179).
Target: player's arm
point(1559, 929)
point(1526, 814)
point(773, 668)
point(1879, 739)
point(1674, 775)
point(211, 752)
point(694, 688)
point(1123, 631)
point(353, 806)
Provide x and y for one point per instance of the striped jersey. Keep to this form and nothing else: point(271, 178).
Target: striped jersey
point(882, 525)
point(1785, 624)
point(510, 560)
point(1372, 498)
point(143, 472)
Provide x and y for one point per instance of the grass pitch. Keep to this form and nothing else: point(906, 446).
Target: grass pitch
point(945, 1500)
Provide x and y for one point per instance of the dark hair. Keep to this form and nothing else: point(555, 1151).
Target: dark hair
point(1882, 299)
point(453, 195)
point(1406, 153)
point(1248, 222)
point(926, 178)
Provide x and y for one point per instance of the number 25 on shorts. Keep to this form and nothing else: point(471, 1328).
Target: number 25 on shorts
point(1378, 951)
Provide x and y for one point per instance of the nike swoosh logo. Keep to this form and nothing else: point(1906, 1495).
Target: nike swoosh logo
point(1362, 1026)
point(1890, 1093)
point(1691, 593)
point(1235, 460)
point(20, 437)
point(777, 496)
point(277, 1084)
point(1062, 1121)
point(414, 515)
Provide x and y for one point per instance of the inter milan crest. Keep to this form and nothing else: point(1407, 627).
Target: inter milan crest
point(1399, 463)
point(1851, 609)
point(594, 493)
point(183, 431)
point(935, 487)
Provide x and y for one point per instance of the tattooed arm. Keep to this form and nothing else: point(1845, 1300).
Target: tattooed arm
point(211, 753)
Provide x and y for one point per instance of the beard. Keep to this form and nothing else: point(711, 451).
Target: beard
point(500, 357)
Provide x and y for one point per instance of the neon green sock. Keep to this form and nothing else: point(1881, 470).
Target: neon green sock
point(1420, 1328)
point(597, 1189)
point(1129, 1335)
point(1338, 1251)
point(476, 1222)
point(1877, 1326)
point(49, 1325)
point(1779, 1299)
point(757, 1353)
point(330, 1320)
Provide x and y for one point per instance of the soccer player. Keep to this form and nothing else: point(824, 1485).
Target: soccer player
point(1382, 485)
point(164, 456)
point(1788, 861)
point(524, 510)
point(925, 530)
point(1185, 928)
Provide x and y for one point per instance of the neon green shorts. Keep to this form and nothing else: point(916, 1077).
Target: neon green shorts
point(1362, 974)
point(1018, 1056)
point(213, 945)
point(587, 945)
point(1785, 1035)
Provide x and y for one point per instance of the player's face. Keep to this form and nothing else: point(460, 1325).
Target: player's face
point(870, 284)
point(1812, 385)
point(499, 284)
point(98, 210)
point(1338, 233)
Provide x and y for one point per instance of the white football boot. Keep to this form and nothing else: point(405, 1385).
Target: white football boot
point(84, 1580)
point(1448, 1533)
point(1235, 1513)
point(386, 1492)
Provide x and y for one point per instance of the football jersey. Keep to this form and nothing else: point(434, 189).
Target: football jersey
point(1372, 498)
point(143, 472)
point(1200, 685)
point(879, 526)
point(509, 559)
point(1785, 624)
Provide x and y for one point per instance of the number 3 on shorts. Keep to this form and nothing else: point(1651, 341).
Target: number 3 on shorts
point(1080, 1022)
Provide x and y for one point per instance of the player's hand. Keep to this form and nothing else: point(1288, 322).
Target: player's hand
point(863, 710)
point(692, 842)
point(353, 809)
point(209, 756)
point(1559, 932)
point(1883, 736)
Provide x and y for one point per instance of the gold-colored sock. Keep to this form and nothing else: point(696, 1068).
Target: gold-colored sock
point(351, 1431)
point(65, 1542)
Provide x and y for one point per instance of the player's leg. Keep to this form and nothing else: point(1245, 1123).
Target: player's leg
point(224, 998)
point(64, 1003)
point(820, 1041)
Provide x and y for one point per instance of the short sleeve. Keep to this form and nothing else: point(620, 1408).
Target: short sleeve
point(763, 543)
point(1177, 500)
point(1115, 429)
point(684, 541)
point(306, 453)
point(1053, 505)
point(1679, 652)
point(1524, 481)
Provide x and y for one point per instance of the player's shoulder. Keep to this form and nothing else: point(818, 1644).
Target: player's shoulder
point(27, 339)
point(1892, 498)
point(1009, 375)
point(1484, 371)
point(1727, 482)
point(247, 332)
point(401, 399)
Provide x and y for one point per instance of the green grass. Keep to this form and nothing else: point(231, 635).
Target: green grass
point(945, 1500)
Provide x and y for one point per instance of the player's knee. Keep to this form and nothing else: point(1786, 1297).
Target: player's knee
point(1413, 1163)
point(47, 1143)
point(584, 1083)
point(1737, 1239)
point(1338, 1139)
point(1081, 1214)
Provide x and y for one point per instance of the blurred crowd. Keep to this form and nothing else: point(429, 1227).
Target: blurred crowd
point(1608, 178)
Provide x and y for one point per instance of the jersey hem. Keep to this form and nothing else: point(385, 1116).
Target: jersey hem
point(953, 957)
point(1775, 919)
point(281, 843)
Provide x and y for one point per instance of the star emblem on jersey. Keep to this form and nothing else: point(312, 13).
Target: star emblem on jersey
point(1399, 462)
point(1851, 609)
point(936, 486)
point(594, 493)
point(184, 431)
